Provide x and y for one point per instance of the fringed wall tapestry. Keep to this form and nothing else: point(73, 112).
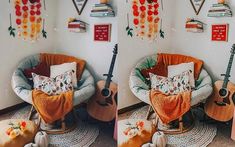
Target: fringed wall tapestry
point(146, 18)
point(30, 24)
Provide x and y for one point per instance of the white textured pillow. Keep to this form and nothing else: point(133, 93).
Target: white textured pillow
point(178, 69)
point(56, 70)
point(171, 86)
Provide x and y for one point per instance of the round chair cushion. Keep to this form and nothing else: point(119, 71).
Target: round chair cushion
point(9, 137)
point(134, 132)
point(23, 88)
point(140, 87)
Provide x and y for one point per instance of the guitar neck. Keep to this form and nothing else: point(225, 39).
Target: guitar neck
point(110, 73)
point(227, 75)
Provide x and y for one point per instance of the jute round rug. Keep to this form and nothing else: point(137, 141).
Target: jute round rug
point(200, 136)
point(83, 136)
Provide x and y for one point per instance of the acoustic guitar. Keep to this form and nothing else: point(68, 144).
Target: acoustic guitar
point(220, 106)
point(103, 105)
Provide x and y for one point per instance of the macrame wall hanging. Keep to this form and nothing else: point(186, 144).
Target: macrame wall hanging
point(28, 19)
point(146, 18)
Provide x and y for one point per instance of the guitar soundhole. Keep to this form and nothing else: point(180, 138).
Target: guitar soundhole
point(223, 92)
point(105, 92)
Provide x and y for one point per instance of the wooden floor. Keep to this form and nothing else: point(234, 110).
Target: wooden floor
point(222, 138)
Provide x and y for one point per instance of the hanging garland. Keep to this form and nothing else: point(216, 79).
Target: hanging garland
point(30, 24)
point(11, 29)
point(162, 33)
point(146, 18)
point(128, 28)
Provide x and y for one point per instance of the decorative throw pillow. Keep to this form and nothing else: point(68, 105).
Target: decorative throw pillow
point(62, 68)
point(135, 132)
point(174, 70)
point(171, 86)
point(53, 86)
point(155, 70)
point(40, 69)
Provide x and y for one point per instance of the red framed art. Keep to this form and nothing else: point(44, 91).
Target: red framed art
point(102, 32)
point(219, 32)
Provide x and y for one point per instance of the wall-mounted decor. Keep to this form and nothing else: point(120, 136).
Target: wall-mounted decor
point(102, 32)
point(104, 1)
point(197, 5)
point(146, 18)
point(102, 10)
point(220, 10)
point(129, 30)
point(76, 26)
point(79, 5)
point(28, 18)
point(11, 29)
point(194, 26)
point(161, 32)
point(219, 32)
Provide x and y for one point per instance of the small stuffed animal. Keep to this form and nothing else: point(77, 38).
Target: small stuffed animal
point(159, 139)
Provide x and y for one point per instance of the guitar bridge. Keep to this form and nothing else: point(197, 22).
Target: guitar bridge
point(104, 104)
point(220, 103)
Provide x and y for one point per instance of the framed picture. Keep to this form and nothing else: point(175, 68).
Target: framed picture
point(102, 32)
point(197, 5)
point(219, 32)
point(79, 5)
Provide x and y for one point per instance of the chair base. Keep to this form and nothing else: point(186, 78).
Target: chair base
point(64, 126)
point(183, 124)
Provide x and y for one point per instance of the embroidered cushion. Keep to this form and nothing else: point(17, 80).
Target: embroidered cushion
point(174, 70)
point(171, 86)
point(53, 86)
point(17, 132)
point(135, 132)
point(62, 68)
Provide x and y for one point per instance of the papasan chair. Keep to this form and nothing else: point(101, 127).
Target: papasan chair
point(140, 87)
point(23, 88)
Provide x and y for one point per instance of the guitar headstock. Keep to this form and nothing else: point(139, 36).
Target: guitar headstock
point(115, 49)
point(233, 49)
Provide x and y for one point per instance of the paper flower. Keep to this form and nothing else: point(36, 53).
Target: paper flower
point(16, 129)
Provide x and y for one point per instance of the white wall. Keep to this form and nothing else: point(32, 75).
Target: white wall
point(97, 54)
point(214, 54)
point(13, 50)
point(133, 49)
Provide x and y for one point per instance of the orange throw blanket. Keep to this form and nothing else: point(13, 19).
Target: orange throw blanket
point(170, 107)
point(52, 108)
point(55, 59)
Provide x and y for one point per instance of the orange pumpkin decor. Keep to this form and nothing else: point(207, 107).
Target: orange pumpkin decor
point(146, 18)
point(28, 19)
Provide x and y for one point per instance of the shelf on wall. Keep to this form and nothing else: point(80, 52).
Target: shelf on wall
point(220, 10)
point(102, 10)
point(76, 26)
point(194, 26)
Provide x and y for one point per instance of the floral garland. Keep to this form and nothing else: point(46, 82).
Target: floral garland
point(29, 21)
point(146, 17)
point(16, 129)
